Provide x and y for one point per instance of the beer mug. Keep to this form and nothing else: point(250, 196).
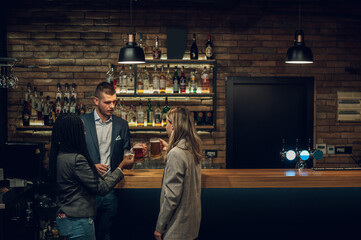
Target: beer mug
point(155, 149)
point(138, 151)
point(128, 155)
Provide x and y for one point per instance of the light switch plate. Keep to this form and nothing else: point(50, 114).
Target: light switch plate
point(321, 147)
point(331, 150)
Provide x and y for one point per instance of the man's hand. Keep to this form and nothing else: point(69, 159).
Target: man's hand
point(102, 168)
point(157, 235)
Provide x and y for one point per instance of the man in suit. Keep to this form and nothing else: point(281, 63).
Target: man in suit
point(107, 137)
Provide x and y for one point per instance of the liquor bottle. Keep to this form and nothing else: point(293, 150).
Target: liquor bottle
point(117, 108)
point(82, 109)
point(141, 43)
point(166, 108)
point(209, 48)
point(66, 92)
point(208, 118)
point(110, 74)
point(205, 81)
point(66, 106)
point(132, 117)
point(150, 114)
point(146, 80)
point(193, 86)
point(169, 82)
point(130, 78)
point(200, 118)
point(175, 81)
point(51, 114)
point(140, 115)
point(122, 83)
point(58, 92)
point(48, 233)
point(55, 230)
point(155, 80)
point(156, 51)
point(39, 107)
point(140, 80)
point(123, 111)
point(157, 116)
point(47, 111)
point(58, 108)
point(182, 81)
point(73, 91)
point(28, 93)
point(162, 80)
point(26, 114)
point(72, 106)
point(194, 49)
point(115, 78)
point(34, 102)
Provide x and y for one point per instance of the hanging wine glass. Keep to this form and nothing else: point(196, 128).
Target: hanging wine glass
point(13, 80)
point(3, 78)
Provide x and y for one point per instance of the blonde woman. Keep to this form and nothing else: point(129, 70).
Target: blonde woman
point(180, 201)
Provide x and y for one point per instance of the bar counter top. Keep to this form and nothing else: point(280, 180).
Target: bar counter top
point(250, 178)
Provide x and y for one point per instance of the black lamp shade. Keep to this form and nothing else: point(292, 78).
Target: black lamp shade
point(131, 54)
point(299, 53)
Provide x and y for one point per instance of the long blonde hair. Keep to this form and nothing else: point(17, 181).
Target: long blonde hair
point(184, 128)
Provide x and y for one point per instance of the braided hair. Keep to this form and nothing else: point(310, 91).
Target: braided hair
point(68, 136)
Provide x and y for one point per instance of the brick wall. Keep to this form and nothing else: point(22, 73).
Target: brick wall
point(250, 38)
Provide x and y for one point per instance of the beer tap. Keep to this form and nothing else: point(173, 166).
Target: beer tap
point(301, 156)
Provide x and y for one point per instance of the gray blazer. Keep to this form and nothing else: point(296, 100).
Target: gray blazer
point(78, 186)
point(180, 201)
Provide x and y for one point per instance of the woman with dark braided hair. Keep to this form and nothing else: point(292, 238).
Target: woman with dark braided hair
point(76, 179)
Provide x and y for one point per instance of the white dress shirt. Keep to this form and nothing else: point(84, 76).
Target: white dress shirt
point(104, 134)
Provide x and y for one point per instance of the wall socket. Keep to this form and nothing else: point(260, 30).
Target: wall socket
point(211, 153)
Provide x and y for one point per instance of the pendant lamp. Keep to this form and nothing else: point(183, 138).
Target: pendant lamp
point(299, 53)
point(131, 53)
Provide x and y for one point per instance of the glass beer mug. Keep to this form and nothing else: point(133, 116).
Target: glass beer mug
point(138, 152)
point(155, 148)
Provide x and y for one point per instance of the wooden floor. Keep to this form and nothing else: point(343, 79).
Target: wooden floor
point(251, 178)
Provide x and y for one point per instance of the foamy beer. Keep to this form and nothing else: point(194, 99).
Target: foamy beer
point(155, 149)
point(138, 151)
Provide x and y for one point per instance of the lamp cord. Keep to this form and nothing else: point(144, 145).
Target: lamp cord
point(299, 15)
point(131, 16)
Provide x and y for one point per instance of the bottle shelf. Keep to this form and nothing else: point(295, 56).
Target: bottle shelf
point(34, 128)
point(169, 95)
point(131, 128)
point(177, 61)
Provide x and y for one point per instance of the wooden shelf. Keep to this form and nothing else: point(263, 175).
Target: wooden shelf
point(34, 128)
point(176, 61)
point(162, 128)
point(169, 95)
point(150, 128)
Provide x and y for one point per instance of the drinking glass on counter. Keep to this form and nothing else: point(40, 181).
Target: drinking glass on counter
point(155, 148)
point(139, 151)
point(128, 155)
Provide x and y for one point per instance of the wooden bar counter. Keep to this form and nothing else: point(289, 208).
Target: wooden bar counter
point(252, 203)
point(250, 178)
